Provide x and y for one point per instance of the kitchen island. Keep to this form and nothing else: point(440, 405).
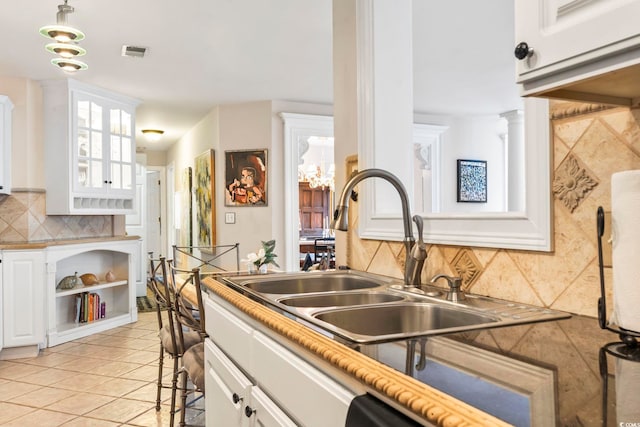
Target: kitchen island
point(550, 369)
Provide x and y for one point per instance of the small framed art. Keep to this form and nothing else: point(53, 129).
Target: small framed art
point(472, 181)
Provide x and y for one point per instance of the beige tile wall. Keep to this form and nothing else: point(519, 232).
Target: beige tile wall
point(23, 219)
point(590, 142)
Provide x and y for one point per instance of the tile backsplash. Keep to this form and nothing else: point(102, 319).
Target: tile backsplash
point(23, 219)
point(590, 142)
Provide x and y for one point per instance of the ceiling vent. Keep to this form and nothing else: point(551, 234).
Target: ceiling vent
point(133, 51)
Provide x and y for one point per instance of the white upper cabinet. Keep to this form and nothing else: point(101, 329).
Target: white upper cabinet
point(90, 149)
point(5, 144)
point(586, 50)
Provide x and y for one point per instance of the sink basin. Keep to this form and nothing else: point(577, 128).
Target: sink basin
point(405, 320)
point(363, 308)
point(340, 299)
point(309, 284)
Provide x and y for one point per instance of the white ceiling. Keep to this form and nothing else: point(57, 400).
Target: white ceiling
point(203, 53)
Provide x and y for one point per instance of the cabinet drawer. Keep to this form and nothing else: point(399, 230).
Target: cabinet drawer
point(300, 389)
point(231, 334)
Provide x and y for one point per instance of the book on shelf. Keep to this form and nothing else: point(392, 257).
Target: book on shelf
point(89, 307)
point(77, 307)
point(90, 310)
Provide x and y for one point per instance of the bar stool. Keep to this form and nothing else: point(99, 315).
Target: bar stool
point(169, 331)
point(187, 315)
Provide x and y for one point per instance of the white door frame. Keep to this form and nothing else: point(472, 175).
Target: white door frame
point(163, 209)
point(297, 126)
point(170, 199)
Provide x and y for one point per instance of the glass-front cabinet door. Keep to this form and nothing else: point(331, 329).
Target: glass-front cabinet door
point(104, 146)
point(89, 146)
point(121, 150)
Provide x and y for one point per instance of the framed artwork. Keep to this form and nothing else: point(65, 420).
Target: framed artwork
point(186, 230)
point(472, 181)
point(203, 186)
point(246, 178)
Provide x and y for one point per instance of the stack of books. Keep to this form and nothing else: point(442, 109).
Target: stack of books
point(89, 307)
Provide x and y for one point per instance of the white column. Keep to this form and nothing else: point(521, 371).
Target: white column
point(515, 160)
point(373, 93)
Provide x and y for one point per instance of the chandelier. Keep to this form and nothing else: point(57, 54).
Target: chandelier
point(317, 176)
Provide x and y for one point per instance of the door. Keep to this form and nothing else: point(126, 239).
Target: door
point(227, 389)
point(314, 210)
point(22, 298)
point(153, 219)
point(1, 311)
point(264, 412)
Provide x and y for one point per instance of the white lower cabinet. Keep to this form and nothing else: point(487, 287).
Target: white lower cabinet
point(117, 296)
point(252, 380)
point(232, 399)
point(34, 314)
point(23, 298)
point(1, 312)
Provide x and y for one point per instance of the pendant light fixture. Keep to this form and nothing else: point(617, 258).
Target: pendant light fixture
point(65, 50)
point(66, 38)
point(69, 64)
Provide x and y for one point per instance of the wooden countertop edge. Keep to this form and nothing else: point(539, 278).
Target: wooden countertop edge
point(48, 243)
point(431, 404)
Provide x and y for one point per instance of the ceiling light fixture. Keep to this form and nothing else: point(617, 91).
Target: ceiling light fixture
point(69, 65)
point(61, 32)
point(66, 39)
point(65, 50)
point(152, 135)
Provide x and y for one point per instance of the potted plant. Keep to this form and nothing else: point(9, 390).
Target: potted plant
point(264, 257)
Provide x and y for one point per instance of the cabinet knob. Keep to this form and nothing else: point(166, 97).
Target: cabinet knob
point(523, 51)
point(236, 398)
point(248, 411)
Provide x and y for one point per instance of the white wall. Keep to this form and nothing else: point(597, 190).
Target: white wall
point(475, 138)
point(27, 161)
point(245, 127)
point(252, 125)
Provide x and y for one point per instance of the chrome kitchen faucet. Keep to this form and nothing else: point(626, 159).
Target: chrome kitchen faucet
point(415, 254)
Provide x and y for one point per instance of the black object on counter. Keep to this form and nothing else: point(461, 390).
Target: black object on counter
point(367, 411)
point(629, 338)
point(307, 263)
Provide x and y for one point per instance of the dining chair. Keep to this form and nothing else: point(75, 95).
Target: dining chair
point(172, 340)
point(189, 313)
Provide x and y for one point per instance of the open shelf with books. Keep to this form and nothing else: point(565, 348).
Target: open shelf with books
point(87, 309)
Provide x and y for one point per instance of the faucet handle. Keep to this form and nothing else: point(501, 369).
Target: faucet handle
point(455, 293)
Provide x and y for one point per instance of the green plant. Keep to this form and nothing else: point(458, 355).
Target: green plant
point(265, 255)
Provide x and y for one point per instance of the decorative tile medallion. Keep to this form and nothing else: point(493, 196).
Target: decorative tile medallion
point(572, 183)
point(467, 266)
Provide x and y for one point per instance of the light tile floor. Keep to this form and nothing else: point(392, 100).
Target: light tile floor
point(107, 379)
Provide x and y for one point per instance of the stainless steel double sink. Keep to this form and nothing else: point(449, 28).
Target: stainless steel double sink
point(364, 308)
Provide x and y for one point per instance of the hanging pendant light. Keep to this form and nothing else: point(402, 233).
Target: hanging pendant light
point(61, 32)
point(69, 64)
point(65, 50)
point(66, 39)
